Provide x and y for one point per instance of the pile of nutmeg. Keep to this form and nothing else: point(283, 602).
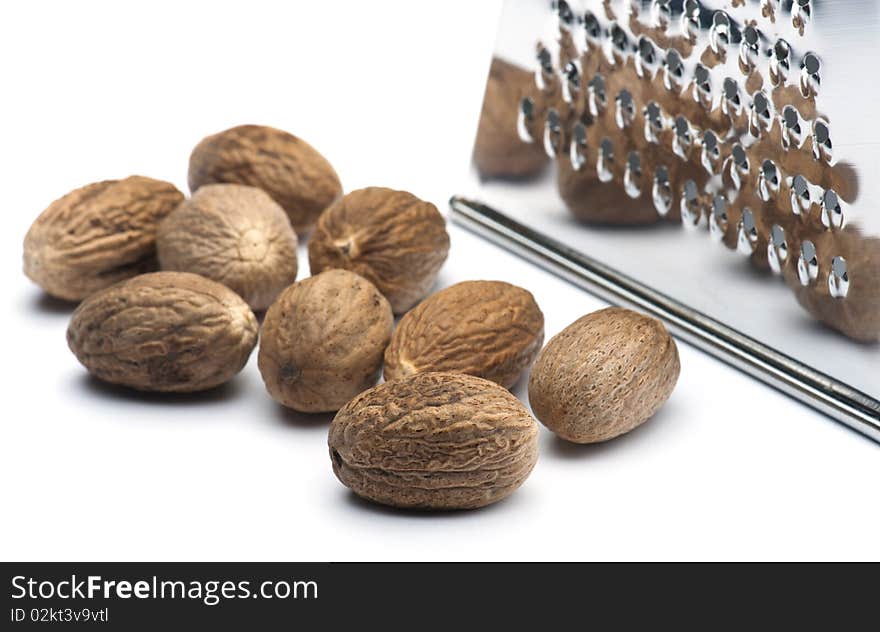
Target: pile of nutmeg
point(442, 431)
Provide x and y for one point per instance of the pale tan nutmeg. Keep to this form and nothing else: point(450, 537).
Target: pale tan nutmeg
point(498, 150)
point(286, 167)
point(235, 235)
point(322, 341)
point(434, 441)
point(391, 238)
point(490, 329)
point(604, 375)
point(97, 235)
point(164, 331)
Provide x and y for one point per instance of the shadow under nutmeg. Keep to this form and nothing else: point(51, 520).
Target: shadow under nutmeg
point(291, 418)
point(43, 303)
point(218, 395)
point(557, 447)
point(362, 504)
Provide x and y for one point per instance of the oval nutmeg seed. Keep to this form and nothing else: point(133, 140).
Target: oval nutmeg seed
point(233, 234)
point(498, 150)
point(490, 329)
point(286, 167)
point(603, 375)
point(97, 235)
point(164, 331)
point(434, 441)
point(391, 238)
point(322, 341)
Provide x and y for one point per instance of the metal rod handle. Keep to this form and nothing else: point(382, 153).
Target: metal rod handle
point(847, 405)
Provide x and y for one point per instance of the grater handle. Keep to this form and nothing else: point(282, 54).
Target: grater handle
point(853, 408)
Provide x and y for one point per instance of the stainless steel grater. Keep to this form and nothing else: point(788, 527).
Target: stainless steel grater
point(752, 121)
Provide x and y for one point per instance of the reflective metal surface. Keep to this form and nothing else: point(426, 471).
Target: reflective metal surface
point(751, 121)
point(806, 384)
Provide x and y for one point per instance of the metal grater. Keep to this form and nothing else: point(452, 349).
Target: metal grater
point(749, 120)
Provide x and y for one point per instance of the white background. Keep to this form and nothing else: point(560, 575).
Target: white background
point(390, 93)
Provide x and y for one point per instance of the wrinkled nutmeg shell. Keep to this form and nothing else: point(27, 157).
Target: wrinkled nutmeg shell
point(164, 331)
point(322, 341)
point(391, 238)
point(233, 234)
point(434, 441)
point(604, 375)
point(490, 329)
point(97, 235)
point(286, 167)
point(498, 150)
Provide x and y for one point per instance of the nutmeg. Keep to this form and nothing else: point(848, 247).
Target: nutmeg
point(604, 375)
point(856, 313)
point(434, 441)
point(233, 234)
point(322, 341)
point(391, 238)
point(490, 329)
point(97, 235)
point(286, 167)
point(498, 150)
point(164, 331)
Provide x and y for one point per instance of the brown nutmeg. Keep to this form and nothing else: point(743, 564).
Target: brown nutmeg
point(322, 341)
point(855, 312)
point(498, 150)
point(490, 329)
point(233, 234)
point(434, 441)
point(164, 331)
point(595, 202)
point(391, 238)
point(286, 167)
point(97, 235)
point(603, 375)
